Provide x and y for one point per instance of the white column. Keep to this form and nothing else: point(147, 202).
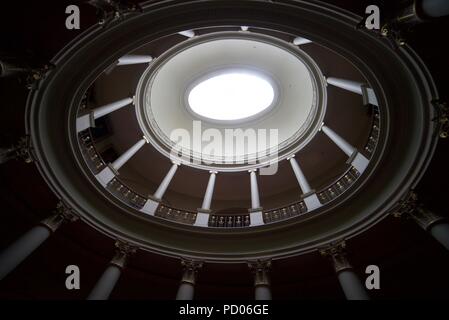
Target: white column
point(134, 59)
point(349, 281)
point(187, 33)
point(105, 285)
point(117, 164)
point(17, 252)
point(256, 217)
point(349, 85)
point(87, 120)
point(107, 174)
point(261, 279)
point(202, 216)
point(359, 161)
point(255, 201)
point(152, 203)
point(369, 97)
point(166, 182)
point(310, 198)
point(209, 191)
point(339, 141)
point(300, 41)
point(244, 28)
point(303, 183)
point(186, 288)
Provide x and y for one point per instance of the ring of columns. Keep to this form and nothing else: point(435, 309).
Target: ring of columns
point(80, 177)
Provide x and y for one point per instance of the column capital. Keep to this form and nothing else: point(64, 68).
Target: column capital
point(321, 126)
point(23, 149)
point(176, 162)
point(122, 252)
point(337, 252)
point(213, 172)
point(62, 214)
point(290, 157)
point(146, 139)
point(411, 208)
point(406, 206)
point(260, 269)
point(190, 270)
point(252, 170)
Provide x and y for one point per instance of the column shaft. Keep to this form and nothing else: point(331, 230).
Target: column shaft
point(349, 85)
point(185, 291)
point(134, 59)
point(303, 183)
point(12, 256)
point(440, 231)
point(255, 201)
point(435, 8)
point(105, 284)
point(351, 285)
point(300, 41)
point(111, 107)
point(166, 182)
point(339, 141)
point(117, 164)
point(209, 192)
point(262, 293)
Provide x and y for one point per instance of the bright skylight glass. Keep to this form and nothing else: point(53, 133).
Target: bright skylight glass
point(231, 96)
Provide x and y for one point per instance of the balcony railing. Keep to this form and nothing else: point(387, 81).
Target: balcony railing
point(126, 194)
point(177, 215)
point(282, 213)
point(374, 134)
point(90, 153)
point(229, 221)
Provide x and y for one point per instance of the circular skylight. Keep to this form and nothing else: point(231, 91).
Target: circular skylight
point(231, 96)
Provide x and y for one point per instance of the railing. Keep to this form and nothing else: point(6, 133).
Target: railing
point(177, 215)
point(229, 221)
point(291, 210)
point(90, 153)
point(374, 134)
point(126, 194)
point(337, 188)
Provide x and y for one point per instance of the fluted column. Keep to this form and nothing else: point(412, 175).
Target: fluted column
point(88, 120)
point(256, 217)
point(436, 225)
point(104, 286)
point(108, 173)
point(369, 97)
point(134, 59)
point(153, 201)
point(298, 41)
point(18, 251)
point(310, 198)
point(349, 281)
point(358, 161)
point(186, 288)
point(202, 217)
point(260, 270)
